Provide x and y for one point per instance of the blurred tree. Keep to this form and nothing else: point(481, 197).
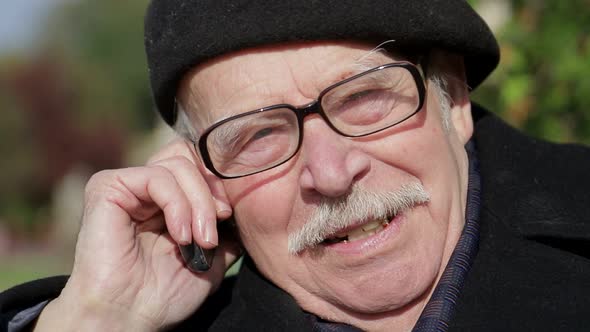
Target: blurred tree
point(101, 44)
point(75, 99)
point(18, 163)
point(542, 82)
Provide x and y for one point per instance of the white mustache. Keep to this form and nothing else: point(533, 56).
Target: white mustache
point(334, 214)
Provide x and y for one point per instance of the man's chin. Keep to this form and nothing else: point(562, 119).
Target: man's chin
point(366, 303)
point(371, 291)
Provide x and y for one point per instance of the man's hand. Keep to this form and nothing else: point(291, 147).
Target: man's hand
point(128, 272)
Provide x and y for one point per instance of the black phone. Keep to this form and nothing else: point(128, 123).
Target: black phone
point(196, 258)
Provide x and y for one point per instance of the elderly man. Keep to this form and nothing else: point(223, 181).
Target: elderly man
point(336, 144)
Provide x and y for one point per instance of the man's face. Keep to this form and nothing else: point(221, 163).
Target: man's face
point(373, 272)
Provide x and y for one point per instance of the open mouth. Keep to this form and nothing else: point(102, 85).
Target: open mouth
point(360, 232)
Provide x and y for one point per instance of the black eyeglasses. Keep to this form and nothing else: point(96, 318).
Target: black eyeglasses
point(361, 105)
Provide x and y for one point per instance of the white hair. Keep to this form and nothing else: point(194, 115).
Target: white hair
point(440, 84)
point(183, 125)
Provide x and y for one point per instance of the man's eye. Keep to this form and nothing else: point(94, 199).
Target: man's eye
point(360, 100)
point(357, 96)
point(262, 133)
point(261, 138)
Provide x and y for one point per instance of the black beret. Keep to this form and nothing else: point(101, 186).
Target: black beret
point(180, 34)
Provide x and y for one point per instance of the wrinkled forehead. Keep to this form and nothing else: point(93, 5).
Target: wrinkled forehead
point(288, 73)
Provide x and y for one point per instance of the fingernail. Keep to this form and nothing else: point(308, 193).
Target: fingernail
point(223, 209)
point(211, 233)
point(185, 234)
point(223, 213)
point(208, 231)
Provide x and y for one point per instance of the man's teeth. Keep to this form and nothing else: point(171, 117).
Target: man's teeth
point(360, 232)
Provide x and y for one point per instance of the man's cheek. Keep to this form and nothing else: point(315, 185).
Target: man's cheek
point(263, 213)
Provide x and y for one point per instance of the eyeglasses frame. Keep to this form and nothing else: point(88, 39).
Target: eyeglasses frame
point(314, 107)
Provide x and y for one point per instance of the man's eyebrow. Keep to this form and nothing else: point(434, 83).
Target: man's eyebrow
point(372, 58)
point(228, 135)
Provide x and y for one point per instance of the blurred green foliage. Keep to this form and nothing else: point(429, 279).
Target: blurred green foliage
point(101, 45)
point(541, 84)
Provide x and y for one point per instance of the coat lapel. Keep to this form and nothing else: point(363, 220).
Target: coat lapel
point(531, 271)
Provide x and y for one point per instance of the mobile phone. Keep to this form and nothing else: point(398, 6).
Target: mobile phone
point(196, 258)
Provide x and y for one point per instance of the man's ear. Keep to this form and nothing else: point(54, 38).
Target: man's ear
point(452, 69)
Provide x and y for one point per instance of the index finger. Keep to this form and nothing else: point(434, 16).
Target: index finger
point(180, 147)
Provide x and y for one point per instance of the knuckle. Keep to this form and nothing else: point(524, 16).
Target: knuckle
point(182, 161)
point(177, 147)
point(106, 184)
point(109, 186)
point(114, 194)
point(97, 180)
point(175, 163)
point(97, 189)
point(161, 171)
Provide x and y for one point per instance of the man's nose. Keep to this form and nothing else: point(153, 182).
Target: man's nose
point(332, 163)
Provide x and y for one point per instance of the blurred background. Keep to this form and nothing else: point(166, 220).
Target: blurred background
point(75, 99)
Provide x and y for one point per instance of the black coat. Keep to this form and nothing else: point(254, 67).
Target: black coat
point(532, 271)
